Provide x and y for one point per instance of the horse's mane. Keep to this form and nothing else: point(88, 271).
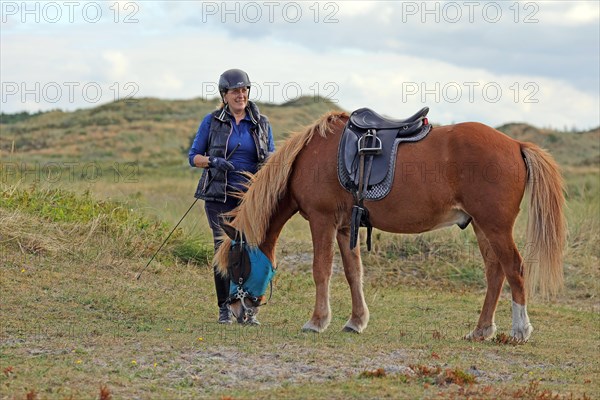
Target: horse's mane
point(269, 185)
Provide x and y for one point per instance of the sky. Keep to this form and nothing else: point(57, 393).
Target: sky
point(488, 61)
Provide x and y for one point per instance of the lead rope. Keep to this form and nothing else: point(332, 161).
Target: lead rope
point(270, 294)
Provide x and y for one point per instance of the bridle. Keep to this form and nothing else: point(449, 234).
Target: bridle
point(241, 295)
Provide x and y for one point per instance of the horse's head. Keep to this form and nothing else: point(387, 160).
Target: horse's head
point(249, 271)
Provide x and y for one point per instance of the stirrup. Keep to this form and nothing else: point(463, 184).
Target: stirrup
point(374, 149)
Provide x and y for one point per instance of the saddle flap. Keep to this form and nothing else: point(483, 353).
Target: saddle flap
point(379, 167)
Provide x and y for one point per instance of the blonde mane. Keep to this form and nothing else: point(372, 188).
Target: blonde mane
point(269, 185)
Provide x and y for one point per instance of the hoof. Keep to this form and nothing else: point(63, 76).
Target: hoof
point(521, 328)
point(355, 325)
point(310, 327)
point(480, 334)
point(521, 334)
point(350, 329)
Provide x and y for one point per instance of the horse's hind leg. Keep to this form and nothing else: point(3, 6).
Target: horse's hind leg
point(354, 274)
point(323, 233)
point(502, 247)
point(486, 327)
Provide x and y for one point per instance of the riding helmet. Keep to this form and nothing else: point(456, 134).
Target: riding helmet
point(232, 79)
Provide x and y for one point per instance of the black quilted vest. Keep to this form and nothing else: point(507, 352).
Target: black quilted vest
point(213, 183)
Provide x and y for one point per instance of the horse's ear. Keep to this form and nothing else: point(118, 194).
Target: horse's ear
point(230, 231)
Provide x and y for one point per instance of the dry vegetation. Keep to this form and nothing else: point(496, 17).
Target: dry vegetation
point(74, 323)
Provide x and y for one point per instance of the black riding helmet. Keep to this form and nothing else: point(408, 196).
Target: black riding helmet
point(233, 79)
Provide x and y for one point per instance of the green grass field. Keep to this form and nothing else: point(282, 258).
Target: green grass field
point(76, 324)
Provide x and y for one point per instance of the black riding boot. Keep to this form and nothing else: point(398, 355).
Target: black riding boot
point(224, 314)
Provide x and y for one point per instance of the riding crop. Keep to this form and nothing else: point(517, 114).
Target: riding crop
point(139, 274)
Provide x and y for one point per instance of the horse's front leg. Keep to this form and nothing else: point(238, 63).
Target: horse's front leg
point(323, 232)
point(354, 274)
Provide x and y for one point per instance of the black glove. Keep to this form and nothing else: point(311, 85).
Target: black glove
point(220, 163)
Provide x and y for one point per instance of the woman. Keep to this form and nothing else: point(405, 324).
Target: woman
point(235, 138)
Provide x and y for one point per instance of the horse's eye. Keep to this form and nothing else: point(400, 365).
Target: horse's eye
point(235, 254)
point(239, 263)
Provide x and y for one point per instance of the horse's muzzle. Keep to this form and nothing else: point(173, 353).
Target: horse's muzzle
point(243, 312)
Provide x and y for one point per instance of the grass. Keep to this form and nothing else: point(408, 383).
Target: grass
point(75, 320)
point(157, 339)
point(58, 222)
point(82, 212)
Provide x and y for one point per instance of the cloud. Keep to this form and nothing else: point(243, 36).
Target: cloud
point(574, 13)
point(536, 61)
point(118, 65)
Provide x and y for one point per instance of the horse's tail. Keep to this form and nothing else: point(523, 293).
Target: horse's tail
point(546, 227)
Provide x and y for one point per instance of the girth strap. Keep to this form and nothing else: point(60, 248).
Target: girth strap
point(360, 217)
point(368, 146)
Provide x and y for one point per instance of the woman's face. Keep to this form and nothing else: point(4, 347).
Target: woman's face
point(237, 99)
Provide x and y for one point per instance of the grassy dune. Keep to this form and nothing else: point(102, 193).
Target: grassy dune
point(75, 323)
point(74, 319)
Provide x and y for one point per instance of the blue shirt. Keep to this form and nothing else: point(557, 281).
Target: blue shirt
point(244, 159)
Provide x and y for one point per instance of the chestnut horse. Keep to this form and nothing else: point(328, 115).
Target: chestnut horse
point(464, 172)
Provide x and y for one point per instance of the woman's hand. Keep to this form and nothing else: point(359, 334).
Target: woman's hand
point(220, 163)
